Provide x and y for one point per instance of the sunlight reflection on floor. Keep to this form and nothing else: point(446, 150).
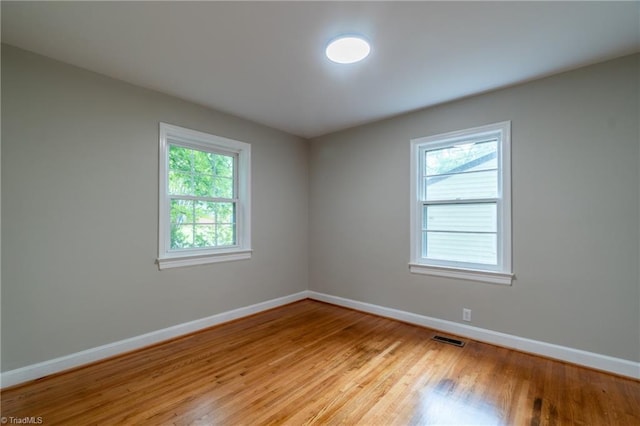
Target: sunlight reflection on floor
point(442, 407)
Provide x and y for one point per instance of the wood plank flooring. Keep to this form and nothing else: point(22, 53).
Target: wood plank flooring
point(313, 363)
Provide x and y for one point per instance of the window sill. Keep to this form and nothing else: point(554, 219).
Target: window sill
point(192, 260)
point(463, 274)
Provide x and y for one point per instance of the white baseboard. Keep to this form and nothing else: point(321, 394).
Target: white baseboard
point(36, 371)
point(589, 359)
point(606, 363)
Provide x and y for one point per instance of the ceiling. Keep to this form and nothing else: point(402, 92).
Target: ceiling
point(264, 61)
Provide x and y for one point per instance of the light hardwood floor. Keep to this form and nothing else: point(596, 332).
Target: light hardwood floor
point(313, 363)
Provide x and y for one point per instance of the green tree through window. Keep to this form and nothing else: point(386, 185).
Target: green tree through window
point(203, 198)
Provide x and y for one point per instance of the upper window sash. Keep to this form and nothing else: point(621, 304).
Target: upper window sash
point(233, 177)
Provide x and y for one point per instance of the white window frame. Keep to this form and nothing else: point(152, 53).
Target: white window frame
point(168, 258)
point(498, 274)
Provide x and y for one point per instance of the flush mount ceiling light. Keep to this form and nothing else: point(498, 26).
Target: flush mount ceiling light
point(348, 49)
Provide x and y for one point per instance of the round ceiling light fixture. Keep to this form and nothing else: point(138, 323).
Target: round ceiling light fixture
point(348, 49)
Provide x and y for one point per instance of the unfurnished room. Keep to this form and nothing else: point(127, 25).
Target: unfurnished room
point(367, 213)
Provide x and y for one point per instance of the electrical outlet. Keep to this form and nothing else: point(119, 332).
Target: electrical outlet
point(466, 314)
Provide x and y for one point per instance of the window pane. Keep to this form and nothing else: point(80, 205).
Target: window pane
point(462, 158)
point(180, 183)
point(222, 187)
point(482, 184)
point(180, 159)
point(181, 211)
point(202, 185)
point(202, 162)
point(205, 212)
point(225, 213)
point(223, 165)
point(460, 217)
point(226, 235)
point(461, 247)
point(205, 236)
point(181, 236)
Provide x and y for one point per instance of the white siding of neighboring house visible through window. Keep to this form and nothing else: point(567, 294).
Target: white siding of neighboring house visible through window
point(469, 179)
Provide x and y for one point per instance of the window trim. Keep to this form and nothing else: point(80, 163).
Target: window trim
point(167, 258)
point(500, 274)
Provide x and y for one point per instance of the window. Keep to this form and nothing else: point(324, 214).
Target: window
point(204, 198)
point(461, 204)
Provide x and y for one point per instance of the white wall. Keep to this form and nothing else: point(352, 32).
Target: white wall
point(80, 213)
point(575, 166)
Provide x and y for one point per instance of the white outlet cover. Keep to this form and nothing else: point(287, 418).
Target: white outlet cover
point(466, 314)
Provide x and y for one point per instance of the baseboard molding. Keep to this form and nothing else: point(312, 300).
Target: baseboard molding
point(596, 361)
point(67, 362)
point(589, 359)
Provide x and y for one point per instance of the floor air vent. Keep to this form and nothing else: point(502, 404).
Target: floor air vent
point(449, 340)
